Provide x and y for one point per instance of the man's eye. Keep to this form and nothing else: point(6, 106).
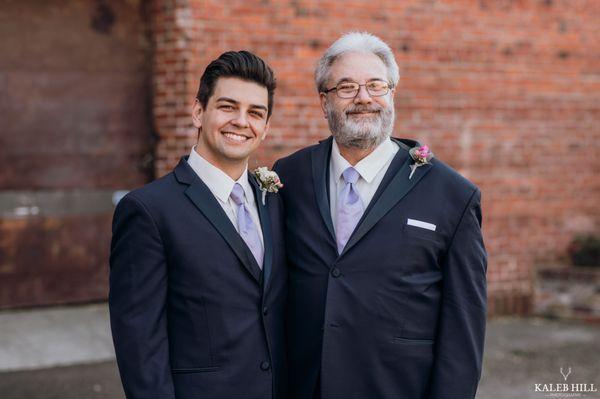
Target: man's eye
point(258, 113)
point(226, 107)
point(377, 85)
point(346, 87)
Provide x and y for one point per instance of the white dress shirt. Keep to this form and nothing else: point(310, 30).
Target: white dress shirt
point(220, 185)
point(371, 169)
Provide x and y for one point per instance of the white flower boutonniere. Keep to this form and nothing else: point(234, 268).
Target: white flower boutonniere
point(268, 181)
point(421, 155)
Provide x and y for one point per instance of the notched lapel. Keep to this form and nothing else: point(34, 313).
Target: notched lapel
point(320, 170)
point(396, 189)
point(205, 201)
point(265, 224)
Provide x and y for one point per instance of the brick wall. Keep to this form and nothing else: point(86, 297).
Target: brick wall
point(505, 91)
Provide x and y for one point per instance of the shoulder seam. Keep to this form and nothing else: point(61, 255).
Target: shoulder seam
point(462, 216)
point(147, 211)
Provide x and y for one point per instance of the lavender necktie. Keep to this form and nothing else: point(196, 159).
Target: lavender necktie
point(349, 209)
point(246, 227)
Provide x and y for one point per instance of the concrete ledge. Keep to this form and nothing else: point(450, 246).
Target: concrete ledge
point(63, 336)
point(568, 293)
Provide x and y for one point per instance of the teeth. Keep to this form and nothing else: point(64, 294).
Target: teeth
point(235, 137)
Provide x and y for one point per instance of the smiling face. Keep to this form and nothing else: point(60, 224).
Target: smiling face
point(363, 121)
point(232, 124)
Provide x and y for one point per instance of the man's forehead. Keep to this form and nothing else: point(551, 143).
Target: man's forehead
point(358, 65)
point(240, 91)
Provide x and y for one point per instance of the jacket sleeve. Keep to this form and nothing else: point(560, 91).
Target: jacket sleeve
point(461, 331)
point(137, 302)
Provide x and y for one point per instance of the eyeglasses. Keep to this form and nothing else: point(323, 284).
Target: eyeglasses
point(375, 88)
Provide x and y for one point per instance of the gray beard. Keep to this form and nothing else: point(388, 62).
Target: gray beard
point(363, 134)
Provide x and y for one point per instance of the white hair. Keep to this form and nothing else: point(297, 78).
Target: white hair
point(360, 42)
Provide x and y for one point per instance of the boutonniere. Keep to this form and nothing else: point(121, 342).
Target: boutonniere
point(421, 155)
point(268, 181)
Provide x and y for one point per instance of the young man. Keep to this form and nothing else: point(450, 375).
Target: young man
point(198, 280)
point(387, 262)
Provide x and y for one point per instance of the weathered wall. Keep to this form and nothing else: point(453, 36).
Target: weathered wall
point(505, 91)
point(76, 125)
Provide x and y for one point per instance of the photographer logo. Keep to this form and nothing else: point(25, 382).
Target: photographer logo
point(566, 390)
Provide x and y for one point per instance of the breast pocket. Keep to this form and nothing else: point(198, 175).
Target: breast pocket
point(422, 233)
point(419, 250)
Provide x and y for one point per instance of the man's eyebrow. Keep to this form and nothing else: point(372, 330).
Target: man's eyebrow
point(227, 99)
point(343, 80)
point(259, 106)
point(231, 100)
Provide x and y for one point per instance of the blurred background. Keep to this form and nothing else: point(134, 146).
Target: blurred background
point(95, 100)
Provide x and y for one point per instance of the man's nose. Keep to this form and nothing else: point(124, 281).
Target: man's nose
point(240, 120)
point(363, 96)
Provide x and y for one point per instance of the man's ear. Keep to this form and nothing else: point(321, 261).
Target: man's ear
point(323, 98)
point(197, 114)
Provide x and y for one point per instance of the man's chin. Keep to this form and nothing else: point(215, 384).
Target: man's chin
point(361, 139)
point(364, 125)
point(233, 152)
point(362, 142)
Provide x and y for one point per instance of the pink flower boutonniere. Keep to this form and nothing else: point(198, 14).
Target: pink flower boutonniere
point(421, 155)
point(268, 181)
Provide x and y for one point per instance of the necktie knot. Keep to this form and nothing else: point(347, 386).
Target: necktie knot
point(237, 194)
point(350, 175)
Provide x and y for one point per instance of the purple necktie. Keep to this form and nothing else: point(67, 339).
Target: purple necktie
point(349, 209)
point(246, 227)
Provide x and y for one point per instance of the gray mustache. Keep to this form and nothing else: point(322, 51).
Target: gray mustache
point(363, 109)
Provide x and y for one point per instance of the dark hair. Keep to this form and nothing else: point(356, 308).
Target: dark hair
point(237, 64)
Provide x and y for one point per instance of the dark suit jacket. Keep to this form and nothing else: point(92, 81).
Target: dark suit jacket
point(192, 315)
point(400, 313)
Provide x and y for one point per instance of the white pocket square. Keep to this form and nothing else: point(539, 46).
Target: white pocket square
point(418, 223)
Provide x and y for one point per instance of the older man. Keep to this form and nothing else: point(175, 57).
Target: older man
point(387, 262)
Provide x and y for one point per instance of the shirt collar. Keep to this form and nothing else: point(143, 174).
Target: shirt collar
point(369, 166)
point(218, 182)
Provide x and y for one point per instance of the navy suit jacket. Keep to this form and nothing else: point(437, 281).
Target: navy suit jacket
point(400, 313)
point(192, 314)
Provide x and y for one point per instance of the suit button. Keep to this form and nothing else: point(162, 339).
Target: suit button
point(265, 310)
point(335, 272)
point(265, 365)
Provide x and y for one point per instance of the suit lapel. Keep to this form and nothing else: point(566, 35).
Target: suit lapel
point(265, 224)
point(320, 169)
point(205, 201)
point(394, 186)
